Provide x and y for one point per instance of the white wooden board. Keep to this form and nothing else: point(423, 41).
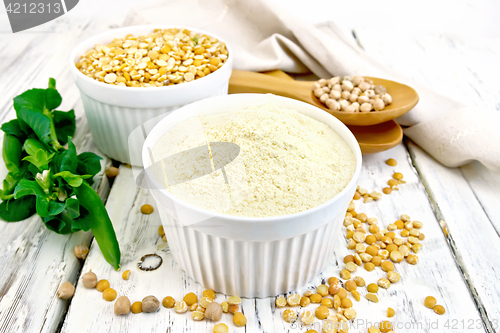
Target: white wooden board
point(138, 235)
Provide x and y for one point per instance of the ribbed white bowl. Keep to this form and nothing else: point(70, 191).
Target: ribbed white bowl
point(249, 257)
point(114, 112)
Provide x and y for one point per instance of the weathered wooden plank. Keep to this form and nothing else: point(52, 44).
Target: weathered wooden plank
point(436, 274)
point(466, 198)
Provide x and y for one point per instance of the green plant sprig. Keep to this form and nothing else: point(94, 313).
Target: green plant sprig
point(49, 179)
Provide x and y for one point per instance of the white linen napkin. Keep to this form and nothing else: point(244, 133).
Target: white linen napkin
point(265, 36)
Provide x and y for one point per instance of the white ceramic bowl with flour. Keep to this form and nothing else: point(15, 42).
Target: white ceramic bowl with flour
point(249, 256)
point(114, 112)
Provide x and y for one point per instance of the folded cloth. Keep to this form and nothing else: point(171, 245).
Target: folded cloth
point(265, 36)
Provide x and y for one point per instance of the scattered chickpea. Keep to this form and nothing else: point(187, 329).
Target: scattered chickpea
point(239, 319)
point(161, 231)
point(89, 279)
point(356, 295)
point(390, 312)
point(387, 190)
point(372, 288)
point(136, 307)
point(168, 302)
point(81, 251)
point(150, 304)
point(430, 302)
point(221, 328)
point(439, 309)
point(112, 172)
point(109, 294)
point(102, 285)
point(391, 162)
point(373, 329)
point(213, 311)
point(357, 196)
point(126, 274)
point(66, 290)
point(122, 306)
point(310, 292)
point(147, 209)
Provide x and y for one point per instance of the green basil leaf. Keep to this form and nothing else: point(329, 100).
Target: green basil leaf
point(89, 164)
point(13, 128)
point(57, 224)
point(84, 222)
point(72, 208)
point(65, 125)
point(41, 159)
point(64, 224)
point(28, 187)
point(14, 210)
point(34, 110)
point(71, 179)
point(46, 207)
point(66, 159)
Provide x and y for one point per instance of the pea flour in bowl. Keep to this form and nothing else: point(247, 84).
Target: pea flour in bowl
point(288, 162)
point(252, 227)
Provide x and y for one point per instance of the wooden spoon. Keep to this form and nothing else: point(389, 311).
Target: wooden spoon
point(371, 139)
point(404, 97)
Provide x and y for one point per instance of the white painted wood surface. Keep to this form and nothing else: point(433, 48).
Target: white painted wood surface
point(466, 198)
point(34, 261)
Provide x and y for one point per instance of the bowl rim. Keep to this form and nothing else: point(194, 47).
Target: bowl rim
point(95, 39)
point(245, 219)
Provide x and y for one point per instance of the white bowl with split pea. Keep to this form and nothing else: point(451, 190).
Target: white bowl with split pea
point(114, 112)
point(241, 255)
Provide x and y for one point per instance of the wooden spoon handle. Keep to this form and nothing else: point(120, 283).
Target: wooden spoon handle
point(250, 82)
